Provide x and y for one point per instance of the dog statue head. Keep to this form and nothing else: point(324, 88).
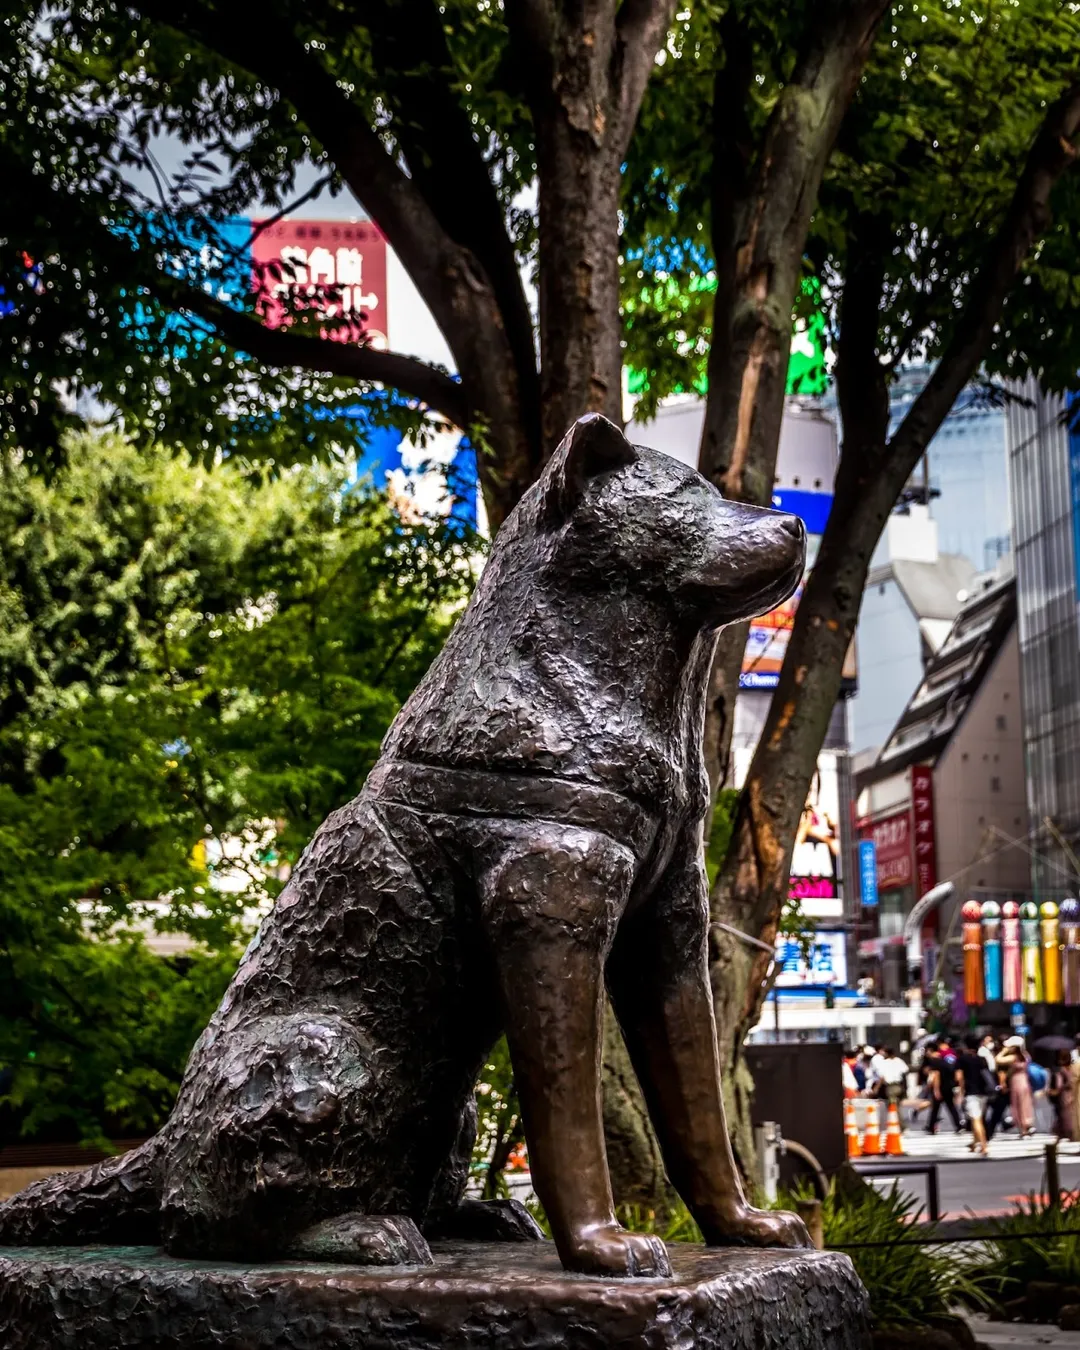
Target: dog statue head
point(636, 518)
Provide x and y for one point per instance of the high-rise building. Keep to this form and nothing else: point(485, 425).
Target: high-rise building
point(1044, 468)
point(944, 797)
point(913, 593)
point(965, 465)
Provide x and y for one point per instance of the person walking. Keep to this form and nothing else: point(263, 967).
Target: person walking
point(847, 1077)
point(1014, 1059)
point(1062, 1092)
point(998, 1102)
point(976, 1085)
point(875, 1070)
point(1074, 1078)
point(894, 1072)
point(942, 1067)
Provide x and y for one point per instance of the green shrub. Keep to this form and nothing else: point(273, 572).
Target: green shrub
point(1037, 1242)
point(907, 1283)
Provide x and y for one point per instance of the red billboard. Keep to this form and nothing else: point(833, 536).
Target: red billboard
point(338, 267)
point(922, 810)
point(892, 845)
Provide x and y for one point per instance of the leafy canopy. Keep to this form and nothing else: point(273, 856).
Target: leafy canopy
point(100, 244)
point(195, 669)
point(923, 172)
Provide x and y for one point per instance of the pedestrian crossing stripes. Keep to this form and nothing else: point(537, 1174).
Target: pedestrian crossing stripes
point(1007, 1147)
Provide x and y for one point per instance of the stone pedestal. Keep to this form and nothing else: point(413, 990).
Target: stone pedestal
point(500, 1297)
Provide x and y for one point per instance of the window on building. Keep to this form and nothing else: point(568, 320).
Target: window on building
point(995, 784)
point(1001, 724)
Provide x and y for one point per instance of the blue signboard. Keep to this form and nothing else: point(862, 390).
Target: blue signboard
point(868, 871)
point(812, 507)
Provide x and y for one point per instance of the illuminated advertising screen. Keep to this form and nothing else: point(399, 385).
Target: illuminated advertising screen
point(826, 965)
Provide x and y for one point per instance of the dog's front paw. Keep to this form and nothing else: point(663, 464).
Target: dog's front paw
point(610, 1250)
point(749, 1227)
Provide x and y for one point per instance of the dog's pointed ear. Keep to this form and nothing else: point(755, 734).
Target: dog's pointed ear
point(592, 446)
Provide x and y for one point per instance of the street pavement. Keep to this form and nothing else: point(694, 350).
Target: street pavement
point(1007, 1146)
point(1021, 1336)
point(969, 1184)
point(983, 1188)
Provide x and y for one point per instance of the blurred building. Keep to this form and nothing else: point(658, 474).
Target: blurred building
point(944, 797)
point(913, 593)
point(951, 524)
point(1044, 466)
point(965, 469)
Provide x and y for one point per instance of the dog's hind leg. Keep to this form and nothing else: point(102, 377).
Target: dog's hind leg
point(362, 1240)
point(659, 983)
point(457, 1215)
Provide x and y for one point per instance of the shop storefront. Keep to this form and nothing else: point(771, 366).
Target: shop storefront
point(901, 840)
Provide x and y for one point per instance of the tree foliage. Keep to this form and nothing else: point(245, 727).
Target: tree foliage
point(196, 667)
point(938, 237)
point(943, 229)
point(123, 277)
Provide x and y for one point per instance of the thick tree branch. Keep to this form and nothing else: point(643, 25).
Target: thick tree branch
point(275, 347)
point(433, 131)
point(861, 379)
point(640, 29)
point(759, 234)
point(532, 25)
point(240, 35)
point(279, 348)
point(1053, 151)
point(762, 200)
point(451, 279)
point(442, 269)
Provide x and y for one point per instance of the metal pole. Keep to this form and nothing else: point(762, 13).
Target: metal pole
point(1053, 1176)
point(810, 1213)
point(932, 1202)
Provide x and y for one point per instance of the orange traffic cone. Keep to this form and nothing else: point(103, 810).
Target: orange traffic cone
point(851, 1129)
point(871, 1144)
point(894, 1140)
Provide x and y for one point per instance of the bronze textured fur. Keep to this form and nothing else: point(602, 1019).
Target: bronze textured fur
point(531, 832)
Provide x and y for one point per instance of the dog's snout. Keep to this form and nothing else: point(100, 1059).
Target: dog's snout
point(794, 532)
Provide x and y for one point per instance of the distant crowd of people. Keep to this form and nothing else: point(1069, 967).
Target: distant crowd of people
point(983, 1085)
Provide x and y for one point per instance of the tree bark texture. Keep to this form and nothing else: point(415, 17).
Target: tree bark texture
point(763, 199)
point(586, 73)
point(753, 882)
point(638, 1178)
point(586, 70)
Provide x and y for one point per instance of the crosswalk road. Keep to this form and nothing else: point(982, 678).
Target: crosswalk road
point(945, 1146)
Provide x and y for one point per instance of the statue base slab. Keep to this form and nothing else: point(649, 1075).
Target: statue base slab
point(496, 1296)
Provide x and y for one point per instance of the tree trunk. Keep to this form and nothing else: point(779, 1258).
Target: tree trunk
point(636, 1166)
point(753, 881)
point(578, 198)
point(763, 199)
point(753, 884)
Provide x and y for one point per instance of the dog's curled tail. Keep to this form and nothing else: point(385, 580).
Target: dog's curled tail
point(117, 1202)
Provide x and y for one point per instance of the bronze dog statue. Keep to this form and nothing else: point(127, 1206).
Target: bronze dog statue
point(532, 831)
